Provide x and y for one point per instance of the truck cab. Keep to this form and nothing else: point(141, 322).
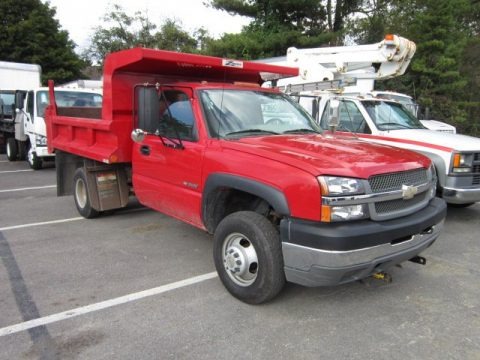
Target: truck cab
point(30, 129)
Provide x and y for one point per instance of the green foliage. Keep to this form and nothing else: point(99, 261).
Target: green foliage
point(441, 29)
point(122, 31)
point(30, 34)
point(279, 24)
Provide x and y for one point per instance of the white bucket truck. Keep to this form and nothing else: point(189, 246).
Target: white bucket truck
point(328, 74)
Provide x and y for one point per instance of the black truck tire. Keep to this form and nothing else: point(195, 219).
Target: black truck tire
point(22, 150)
point(80, 195)
point(248, 257)
point(12, 149)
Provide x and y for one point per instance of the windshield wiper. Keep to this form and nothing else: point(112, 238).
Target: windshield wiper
point(251, 132)
point(299, 131)
point(396, 124)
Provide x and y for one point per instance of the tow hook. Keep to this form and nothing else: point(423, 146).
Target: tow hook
point(418, 260)
point(383, 276)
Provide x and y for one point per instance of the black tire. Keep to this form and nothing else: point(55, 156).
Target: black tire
point(252, 279)
point(460, 206)
point(33, 160)
point(80, 195)
point(22, 150)
point(12, 149)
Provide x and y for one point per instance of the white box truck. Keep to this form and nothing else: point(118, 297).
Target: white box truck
point(13, 77)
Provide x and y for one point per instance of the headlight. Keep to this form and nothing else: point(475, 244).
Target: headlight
point(41, 140)
point(344, 213)
point(462, 163)
point(333, 187)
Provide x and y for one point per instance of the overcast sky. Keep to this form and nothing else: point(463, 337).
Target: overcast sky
point(80, 17)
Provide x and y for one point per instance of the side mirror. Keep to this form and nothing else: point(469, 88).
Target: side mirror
point(20, 99)
point(138, 135)
point(334, 114)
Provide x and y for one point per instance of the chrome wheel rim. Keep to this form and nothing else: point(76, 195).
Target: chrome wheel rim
point(81, 193)
point(240, 259)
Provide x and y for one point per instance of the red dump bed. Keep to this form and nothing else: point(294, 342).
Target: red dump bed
point(107, 139)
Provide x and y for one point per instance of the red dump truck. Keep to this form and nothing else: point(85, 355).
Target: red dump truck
point(197, 138)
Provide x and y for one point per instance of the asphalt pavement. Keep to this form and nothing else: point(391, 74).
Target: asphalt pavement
point(135, 284)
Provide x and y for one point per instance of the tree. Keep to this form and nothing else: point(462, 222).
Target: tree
point(122, 31)
point(441, 30)
point(279, 24)
point(29, 33)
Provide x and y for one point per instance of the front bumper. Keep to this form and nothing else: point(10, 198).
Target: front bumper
point(317, 254)
point(461, 189)
point(42, 151)
point(461, 196)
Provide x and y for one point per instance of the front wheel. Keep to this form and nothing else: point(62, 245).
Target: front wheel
point(248, 257)
point(460, 206)
point(33, 160)
point(80, 194)
point(12, 149)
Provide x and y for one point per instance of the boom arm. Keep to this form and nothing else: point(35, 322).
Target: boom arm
point(386, 59)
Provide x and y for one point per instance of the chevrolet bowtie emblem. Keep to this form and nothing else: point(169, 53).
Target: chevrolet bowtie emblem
point(408, 192)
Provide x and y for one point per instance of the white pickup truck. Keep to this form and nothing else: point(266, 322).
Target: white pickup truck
point(456, 157)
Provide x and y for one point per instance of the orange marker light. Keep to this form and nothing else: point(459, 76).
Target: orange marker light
point(389, 37)
point(456, 160)
point(326, 213)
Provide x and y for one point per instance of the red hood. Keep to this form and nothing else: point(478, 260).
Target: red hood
point(331, 155)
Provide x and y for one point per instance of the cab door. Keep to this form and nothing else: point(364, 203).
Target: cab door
point(167, 163)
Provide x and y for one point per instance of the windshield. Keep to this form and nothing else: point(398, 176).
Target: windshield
point(68, 99)
point(389, 115)
point(238, 113)
point(405, 100)
point(7, 101)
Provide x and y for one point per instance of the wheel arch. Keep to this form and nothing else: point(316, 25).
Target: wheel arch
point(219, 188)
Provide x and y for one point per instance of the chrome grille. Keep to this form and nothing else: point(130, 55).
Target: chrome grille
point(476, 180)
point(394, 181)
point(392, 206)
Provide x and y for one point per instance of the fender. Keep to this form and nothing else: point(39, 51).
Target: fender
point(440, 165)
point(273, 196)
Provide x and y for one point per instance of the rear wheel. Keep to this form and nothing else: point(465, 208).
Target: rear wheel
point(80, 195)
point(248, 257)
point(12, 149)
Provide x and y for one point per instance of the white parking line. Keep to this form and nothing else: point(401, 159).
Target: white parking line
point(41, 223)
point(29, 188)
point(14, 171)
point(104, 304)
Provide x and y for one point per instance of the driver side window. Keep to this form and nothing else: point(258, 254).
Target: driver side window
point(176, 115)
